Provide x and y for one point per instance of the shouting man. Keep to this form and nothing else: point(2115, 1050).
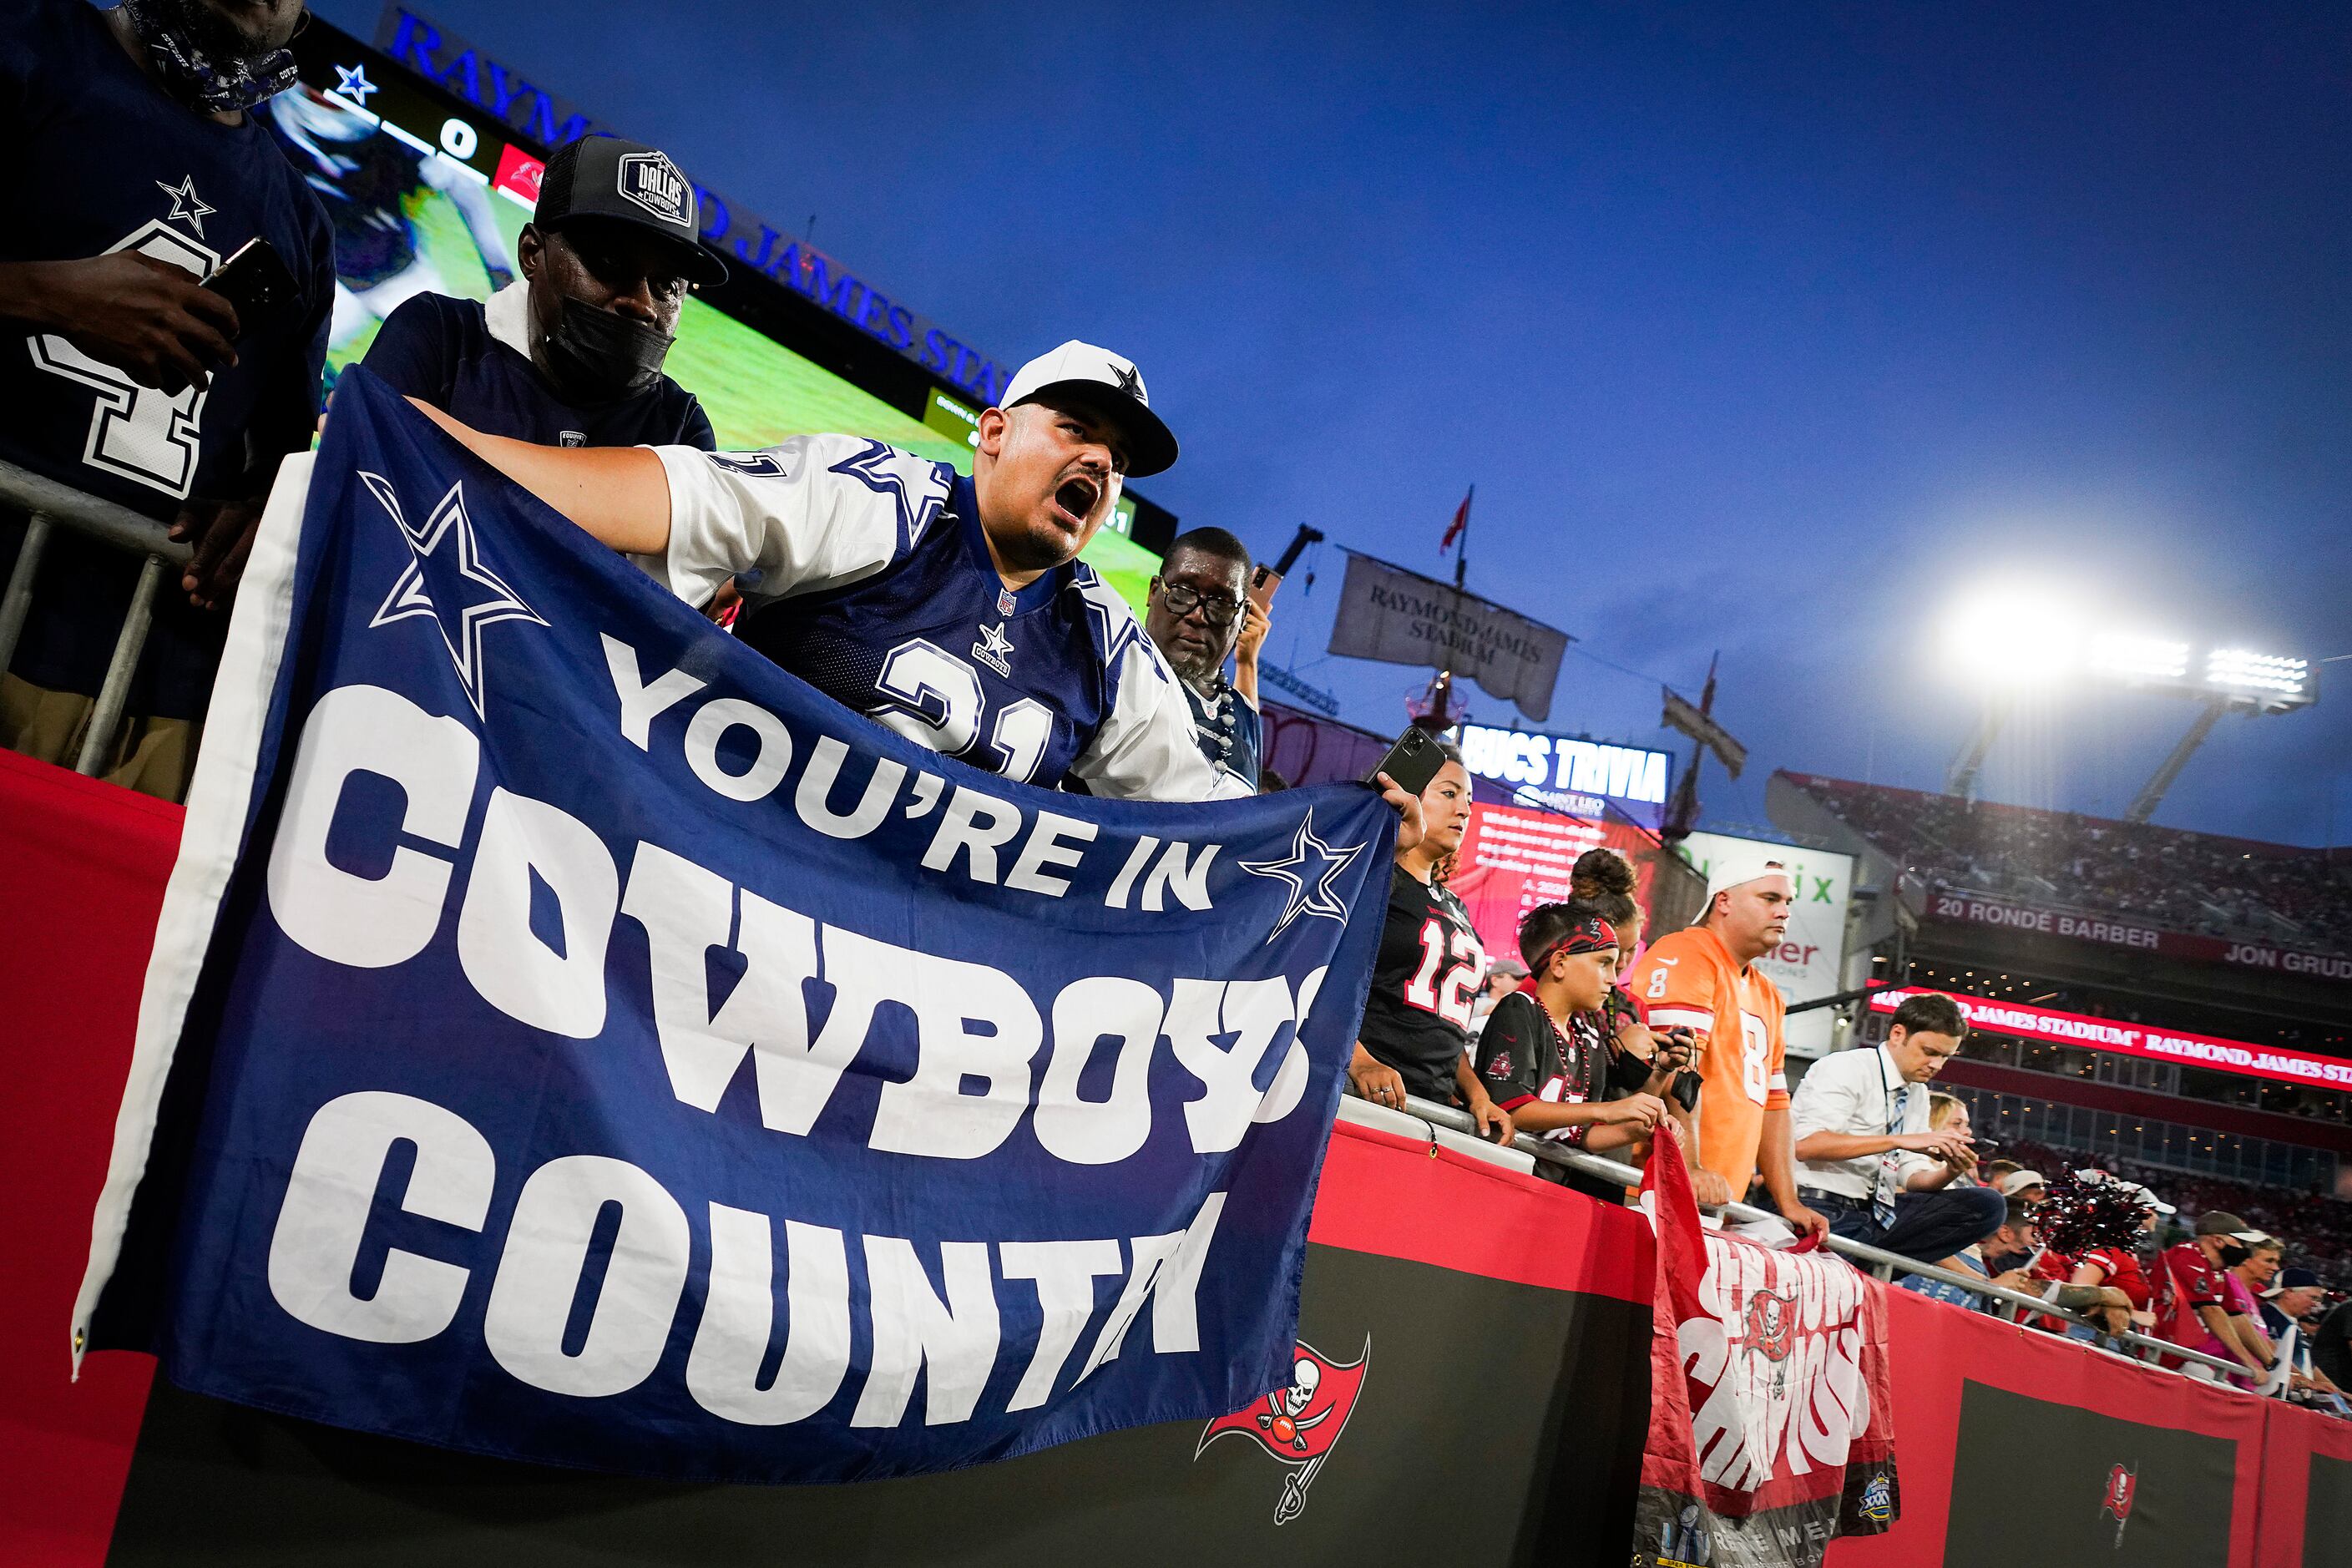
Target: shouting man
point(1200, 615)
point(953, 610)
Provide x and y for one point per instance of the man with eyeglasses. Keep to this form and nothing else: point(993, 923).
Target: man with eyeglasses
point(1201, 613)
point(572, 356)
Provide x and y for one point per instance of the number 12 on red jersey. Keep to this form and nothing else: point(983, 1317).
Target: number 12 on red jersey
point(1450, 997)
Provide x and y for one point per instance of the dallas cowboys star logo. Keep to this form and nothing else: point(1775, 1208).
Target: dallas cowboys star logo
point(1310, 869)
point(871, 467)
point(186, 205)
point(410, 596)
point(1114, 628)
point(993, 651)
point(1129, 381)
point(352, 83)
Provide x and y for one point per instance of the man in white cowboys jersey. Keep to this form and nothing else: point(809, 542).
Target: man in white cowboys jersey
point(953, 610)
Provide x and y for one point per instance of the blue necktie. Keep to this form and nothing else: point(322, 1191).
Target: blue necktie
point(1881, 1196)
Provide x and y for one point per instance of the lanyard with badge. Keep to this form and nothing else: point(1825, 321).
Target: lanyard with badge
point(1890, 1162)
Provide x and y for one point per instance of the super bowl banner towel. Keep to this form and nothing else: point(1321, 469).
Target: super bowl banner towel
point(571, 1038)
point(1771, 1431)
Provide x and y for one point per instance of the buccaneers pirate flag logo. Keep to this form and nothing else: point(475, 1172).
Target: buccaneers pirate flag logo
point(2117, 1499)
point(1298, 1425)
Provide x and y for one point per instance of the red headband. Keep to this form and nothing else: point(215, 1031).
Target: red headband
point(1590, 935)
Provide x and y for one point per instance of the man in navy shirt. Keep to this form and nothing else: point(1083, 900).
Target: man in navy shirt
point(572, 356)
point(1200, 614)
point(136, 170)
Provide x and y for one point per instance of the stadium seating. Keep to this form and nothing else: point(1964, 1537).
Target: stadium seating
point(2198, 882)
point(2317, 1230)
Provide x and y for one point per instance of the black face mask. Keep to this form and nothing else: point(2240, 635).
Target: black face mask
point(595, 356)
point(2232, 1255)
point(203, 58)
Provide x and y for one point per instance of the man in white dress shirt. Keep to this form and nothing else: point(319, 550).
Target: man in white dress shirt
point(1865, 1156)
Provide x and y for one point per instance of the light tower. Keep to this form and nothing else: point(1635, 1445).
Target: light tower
point(2025, 639)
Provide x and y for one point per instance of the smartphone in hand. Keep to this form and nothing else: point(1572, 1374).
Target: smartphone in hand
point(255, 279)
point(1412, 761)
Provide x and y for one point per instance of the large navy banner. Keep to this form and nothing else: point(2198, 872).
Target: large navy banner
point(571, 1038)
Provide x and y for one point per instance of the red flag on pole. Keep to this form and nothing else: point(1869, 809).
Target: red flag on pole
point(1461, 520)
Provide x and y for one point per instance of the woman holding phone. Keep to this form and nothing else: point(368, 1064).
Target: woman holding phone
point(1416, 1031)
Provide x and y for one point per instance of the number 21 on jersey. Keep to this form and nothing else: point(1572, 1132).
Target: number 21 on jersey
point(1449, 997)
point(941, 706)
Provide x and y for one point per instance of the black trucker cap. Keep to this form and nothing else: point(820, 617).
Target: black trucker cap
point(625, 182)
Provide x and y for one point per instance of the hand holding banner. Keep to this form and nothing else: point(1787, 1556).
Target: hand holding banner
point(572, 1038)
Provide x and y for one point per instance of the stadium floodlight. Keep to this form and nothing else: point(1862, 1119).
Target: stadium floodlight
point(2233, 671)
point(2016, 637)
point(2027, 638)
point(2010, 640)
point(2235, 680)
point(2122, 656)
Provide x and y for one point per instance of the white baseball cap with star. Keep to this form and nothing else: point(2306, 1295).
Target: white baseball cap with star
point(1107, 382)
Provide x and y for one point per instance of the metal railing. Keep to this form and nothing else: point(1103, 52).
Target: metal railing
point(51, 505)
point(1549, 1153)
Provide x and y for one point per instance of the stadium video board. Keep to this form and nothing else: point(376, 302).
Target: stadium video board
point(425, 199)
point(1513, 860)
point(1569, 773)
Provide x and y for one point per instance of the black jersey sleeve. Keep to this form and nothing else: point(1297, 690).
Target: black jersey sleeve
point(1515, 1051)
point(694, 426)
point(415, 349)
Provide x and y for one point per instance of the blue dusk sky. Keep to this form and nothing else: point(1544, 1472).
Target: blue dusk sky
point(1774, 329)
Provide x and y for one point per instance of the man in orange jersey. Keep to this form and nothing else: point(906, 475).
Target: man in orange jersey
point(1705, 979)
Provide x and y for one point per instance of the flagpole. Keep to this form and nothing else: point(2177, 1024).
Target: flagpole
point(1462, 550)
point(1439, 719)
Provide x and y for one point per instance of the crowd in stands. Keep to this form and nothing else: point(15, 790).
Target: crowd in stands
point(2316, 1228)
point(2212, 1279)
point(2195, 882)
point(1863, 1150)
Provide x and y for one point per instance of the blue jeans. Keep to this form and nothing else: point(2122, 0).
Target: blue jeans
point(1929, 1226)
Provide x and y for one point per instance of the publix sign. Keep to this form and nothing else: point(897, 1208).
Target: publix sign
point(1811, 959)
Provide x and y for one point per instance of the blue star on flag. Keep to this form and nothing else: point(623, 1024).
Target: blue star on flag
point(410, 596)
point(1310, 869)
